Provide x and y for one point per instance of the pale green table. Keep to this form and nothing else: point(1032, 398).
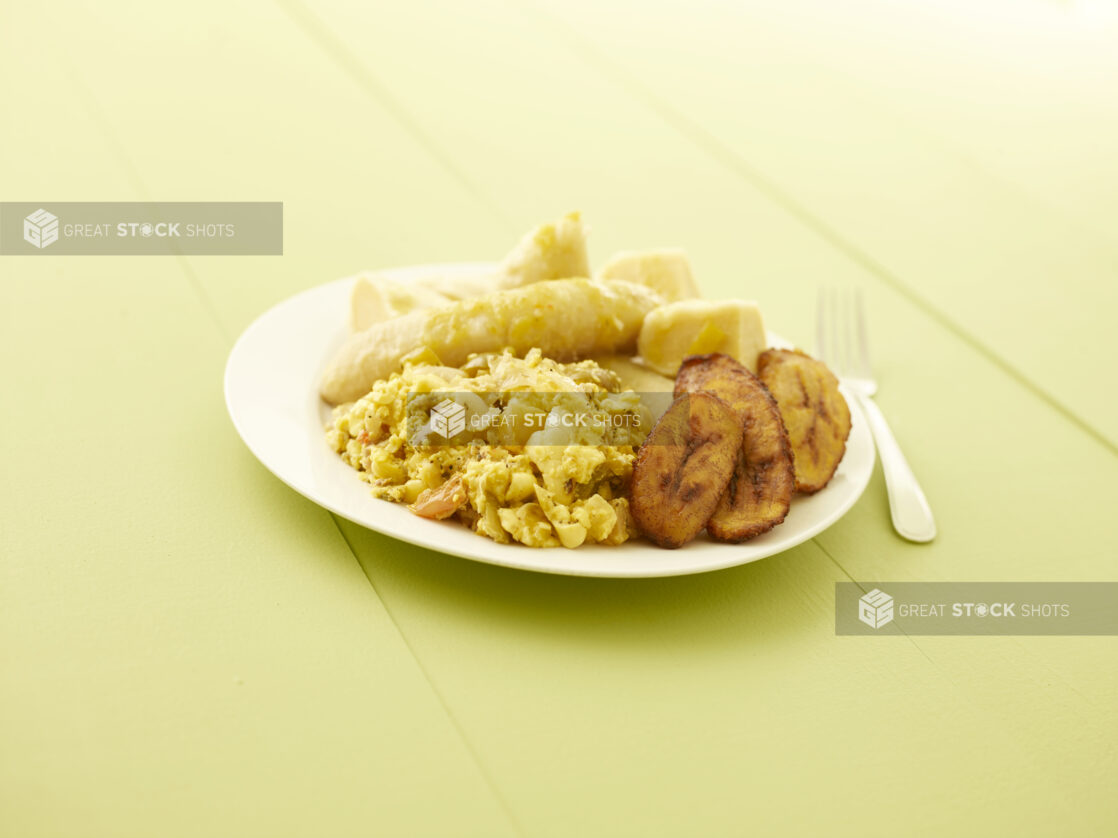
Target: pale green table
point(189, 648)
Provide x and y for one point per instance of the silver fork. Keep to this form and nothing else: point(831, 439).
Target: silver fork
point(840, 337)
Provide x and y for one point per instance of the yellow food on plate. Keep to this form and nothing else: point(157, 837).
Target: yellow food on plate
point(814, 411)
point(550, 251)
point(634, 375)
point(514, 463)
point(760, 491)
point(566, 318)
point(700, 327)
point(375, 299)
point(454, 395)
point(667, 272)
point(462, 286)
point(683, 468)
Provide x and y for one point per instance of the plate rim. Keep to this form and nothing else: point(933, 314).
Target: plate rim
point(496, 554)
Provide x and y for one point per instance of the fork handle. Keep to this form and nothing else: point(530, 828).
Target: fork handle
point(912, 517)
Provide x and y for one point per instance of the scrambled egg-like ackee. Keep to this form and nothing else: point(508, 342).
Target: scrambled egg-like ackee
point(541, 455)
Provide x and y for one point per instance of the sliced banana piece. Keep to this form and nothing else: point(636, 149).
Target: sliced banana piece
point(699, 327)
point(683, 467)
point(550, 251)
point(667, 272)
point(376, 298)
point(566, 319)
point(634, 375)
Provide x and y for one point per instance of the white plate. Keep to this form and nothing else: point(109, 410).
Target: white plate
point(271, 390)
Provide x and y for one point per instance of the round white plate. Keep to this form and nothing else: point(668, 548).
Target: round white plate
point(271, 390)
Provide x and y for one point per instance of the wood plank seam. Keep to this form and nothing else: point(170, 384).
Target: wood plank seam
point(97, 114)
point(486, 775)
point(322, 37)
point(710, 145)
point(100, 119)
point(732, 160)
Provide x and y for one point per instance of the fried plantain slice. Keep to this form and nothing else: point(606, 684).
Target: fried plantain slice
point(760, 491)
point(683, 467)
point(814, 411)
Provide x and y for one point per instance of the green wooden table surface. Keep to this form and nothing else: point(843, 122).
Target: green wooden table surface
point(189, 648)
